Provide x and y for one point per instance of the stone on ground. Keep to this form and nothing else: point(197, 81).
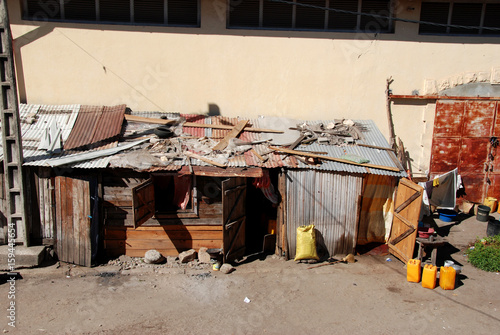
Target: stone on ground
point(203, 255)
point(226, 268)
point(153, 257)
point(187, 256)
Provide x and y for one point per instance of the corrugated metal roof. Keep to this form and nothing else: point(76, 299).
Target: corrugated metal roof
point(372, 136)
point(75, 131)
point(95, 124)
point(35, 120)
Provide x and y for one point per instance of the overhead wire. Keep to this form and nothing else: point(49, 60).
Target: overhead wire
point(385, 17)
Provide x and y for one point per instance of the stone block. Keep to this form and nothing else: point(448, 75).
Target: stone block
point(187, 256)
point(203, 256)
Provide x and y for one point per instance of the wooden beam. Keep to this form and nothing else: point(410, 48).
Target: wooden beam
point(212, 171)
point(257, 155)
point(438, 97)
point(232, 134)
point(204, 159)
point(134, 118)
point(340, 160)
point(142, 119)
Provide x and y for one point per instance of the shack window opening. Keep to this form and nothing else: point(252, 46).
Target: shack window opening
point(173, 194)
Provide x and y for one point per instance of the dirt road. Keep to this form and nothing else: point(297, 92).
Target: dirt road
point(370, 296)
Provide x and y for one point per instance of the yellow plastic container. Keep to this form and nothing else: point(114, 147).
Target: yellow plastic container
point(429, 275)
point(491, 203)
point(413, 271)
point(447, 276)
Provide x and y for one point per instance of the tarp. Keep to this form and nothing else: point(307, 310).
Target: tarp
point(377, 209)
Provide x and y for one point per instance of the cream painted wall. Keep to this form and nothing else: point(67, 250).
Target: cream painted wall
point(304, 75)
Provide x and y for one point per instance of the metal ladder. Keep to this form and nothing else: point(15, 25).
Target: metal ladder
point(11, 133)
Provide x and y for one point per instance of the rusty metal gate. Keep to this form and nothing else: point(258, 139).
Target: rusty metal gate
point(465, 138)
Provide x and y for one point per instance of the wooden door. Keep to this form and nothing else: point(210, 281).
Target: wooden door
point(233, 218)
point(73, 220)
point(143, 202)
point(405, 223)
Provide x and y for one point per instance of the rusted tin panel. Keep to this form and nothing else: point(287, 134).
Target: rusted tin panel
point(95, 124)
point(468, 147)
point(496, 128)
point(479, 118)
point(474, 186)
point(195, 131)
point(494, 187)
point(84, 128)
point(329, 200)
point(110, 123)
point(449, 118)
point(445, 154)
point(473, 155)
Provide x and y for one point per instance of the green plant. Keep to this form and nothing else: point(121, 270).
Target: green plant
point(485, 253)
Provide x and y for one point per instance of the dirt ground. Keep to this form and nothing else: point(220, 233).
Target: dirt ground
point(370, 296)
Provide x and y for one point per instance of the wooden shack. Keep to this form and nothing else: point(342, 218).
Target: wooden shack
point(86, 203)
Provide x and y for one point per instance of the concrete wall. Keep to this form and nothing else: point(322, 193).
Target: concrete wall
point(305, 75)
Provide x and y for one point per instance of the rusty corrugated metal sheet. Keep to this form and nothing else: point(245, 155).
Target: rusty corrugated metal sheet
point(329, 201)
point(195, 131)
point(95, 124)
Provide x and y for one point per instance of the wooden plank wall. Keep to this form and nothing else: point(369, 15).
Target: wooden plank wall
point(168, 236)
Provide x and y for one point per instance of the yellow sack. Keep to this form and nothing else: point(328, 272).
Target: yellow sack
point(306, 243)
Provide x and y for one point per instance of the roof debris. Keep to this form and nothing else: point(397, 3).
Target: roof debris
point(199, 140)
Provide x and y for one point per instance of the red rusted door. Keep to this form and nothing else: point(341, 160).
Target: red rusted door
point(462, 139)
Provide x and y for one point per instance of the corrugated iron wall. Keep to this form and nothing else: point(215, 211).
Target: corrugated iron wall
point(330, 201)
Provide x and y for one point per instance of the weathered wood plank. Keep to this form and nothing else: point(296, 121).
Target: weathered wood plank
point(237, 129)
point(191, 228)
point(116, 252)
point(162, 244)
point(85, 221)
point(59, 247)
point(113, 234)
point(77, 206)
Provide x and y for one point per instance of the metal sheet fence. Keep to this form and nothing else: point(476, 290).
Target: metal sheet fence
point(328, 200)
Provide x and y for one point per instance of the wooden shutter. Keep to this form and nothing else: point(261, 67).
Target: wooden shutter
point(466, 14)
point(435, 12)
point(308, 17)
point(183, 12)
point(80, 10)
point(149, 11)
point(492, 18)
point(143, 202)
point(40, 10)
point(233, 218)
point(277, 15)
point(244, 13)
point(404, 226)
point(115, 10)
point(375, 24)
point(343, 21)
